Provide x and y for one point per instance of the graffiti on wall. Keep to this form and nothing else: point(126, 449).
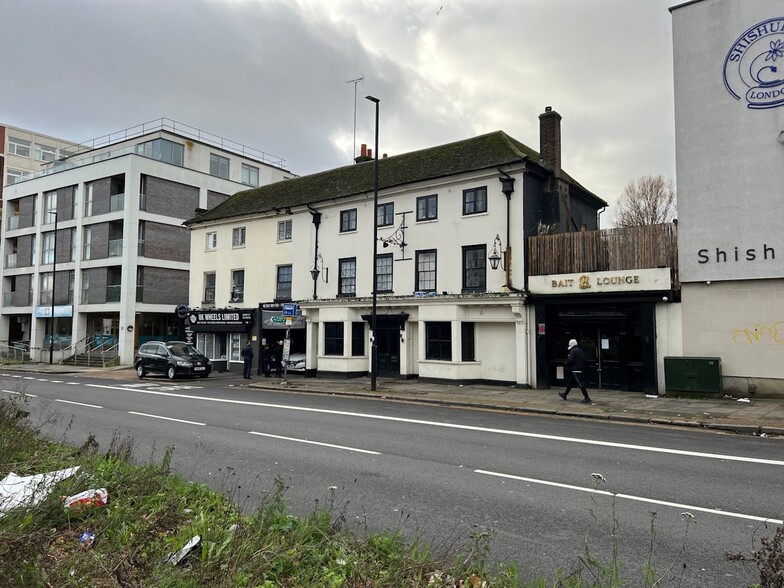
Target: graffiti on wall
point(771, 334)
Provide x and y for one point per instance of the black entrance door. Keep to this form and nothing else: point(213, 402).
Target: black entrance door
point(602, 347)
point(388, 347)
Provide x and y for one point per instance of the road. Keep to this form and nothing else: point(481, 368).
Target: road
point(448, 473)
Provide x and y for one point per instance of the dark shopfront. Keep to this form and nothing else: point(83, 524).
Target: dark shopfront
point(272, 328)
point(220, 334)
point(617, 335)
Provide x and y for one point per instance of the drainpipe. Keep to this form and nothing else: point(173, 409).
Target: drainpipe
point(507, 187)
point(316, 218)
point(599, 218)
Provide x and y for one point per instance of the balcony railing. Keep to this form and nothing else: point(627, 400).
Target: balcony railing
point(9, 298)
point(628, 248)
point(10, 261)
point(116, 202)
point(13, 222)
point(115, 247)
point(113, 293)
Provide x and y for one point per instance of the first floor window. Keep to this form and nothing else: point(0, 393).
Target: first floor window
point(385, 214)
point(46, 289)
point(283, 287)
point(212, 241)
point(426, 270)
point(85, 297)
point(284, 230)
point(384, 272)
point(347, 283)
point(348, 220)
point(333, 338)
point(467, 341)
point(209, 288)
point(86, 243)
point(47, 251)
point(438, 341)
point(474, 268)
point(475, 200)
point(219, 166)
point(427, 207)
point(357, 339)
point(237, 285)
point(238, 237)
point(250, 175)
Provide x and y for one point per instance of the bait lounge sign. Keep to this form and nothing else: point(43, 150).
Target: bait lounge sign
point(754, 65)
point(602, 282)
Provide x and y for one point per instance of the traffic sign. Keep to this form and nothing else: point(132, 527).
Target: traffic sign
point(289, 309)
point(278, 319)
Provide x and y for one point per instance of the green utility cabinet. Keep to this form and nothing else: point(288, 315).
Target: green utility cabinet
point(693, 374)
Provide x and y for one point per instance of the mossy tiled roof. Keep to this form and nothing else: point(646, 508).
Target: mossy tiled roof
point(485, 151)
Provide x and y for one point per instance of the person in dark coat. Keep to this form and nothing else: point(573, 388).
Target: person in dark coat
point(573, 371)
point(266, 360)
point(277, 354)
point(247, 359)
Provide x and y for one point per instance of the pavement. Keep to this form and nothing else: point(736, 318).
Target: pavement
point(749, 416)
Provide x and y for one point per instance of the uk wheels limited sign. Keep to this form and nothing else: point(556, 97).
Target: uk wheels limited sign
point(754, 65)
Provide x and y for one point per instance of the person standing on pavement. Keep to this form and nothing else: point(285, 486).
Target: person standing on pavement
point(266, 360)
point(247, 359)
point(573, 371)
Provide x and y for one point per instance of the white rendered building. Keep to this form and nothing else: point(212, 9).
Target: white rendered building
point(446, 215)
point(117, 266)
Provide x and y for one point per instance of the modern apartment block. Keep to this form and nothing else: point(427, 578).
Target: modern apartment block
point(24, 153)
point(95, 243)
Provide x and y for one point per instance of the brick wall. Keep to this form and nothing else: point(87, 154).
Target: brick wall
point(26, 205)
point(63, 249)
point(171, 198)
point(215, 198)
point(65, 200)
point(102, 190)
point(22, 292)
point(166, 242)
point(97, 285)
point(24, 251)
point(99, 241)
point(61, 283)
point(164, 286)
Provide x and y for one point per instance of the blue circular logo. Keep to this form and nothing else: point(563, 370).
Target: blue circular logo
point(754, 66)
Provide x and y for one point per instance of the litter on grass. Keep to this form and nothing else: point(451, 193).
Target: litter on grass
point(92, 497)
point(29, 490)
point(177, 556)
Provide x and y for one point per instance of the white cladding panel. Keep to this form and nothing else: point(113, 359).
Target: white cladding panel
point(729, 113)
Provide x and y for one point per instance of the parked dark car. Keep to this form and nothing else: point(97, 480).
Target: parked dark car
point(173, 358)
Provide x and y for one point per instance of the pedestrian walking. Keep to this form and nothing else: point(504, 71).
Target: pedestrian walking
point(247, 359)
point(573, 372)
point(277, 355)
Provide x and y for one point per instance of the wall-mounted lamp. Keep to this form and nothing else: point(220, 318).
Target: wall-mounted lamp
point(495, 258)
point(317, 269)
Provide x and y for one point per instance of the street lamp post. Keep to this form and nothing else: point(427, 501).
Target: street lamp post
point(54, 278)
point(373, 317)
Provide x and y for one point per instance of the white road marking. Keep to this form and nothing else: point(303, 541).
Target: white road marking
point(683, 452)
point(20, 393)
point(41, 380)
point(28, 378)
point(73, 383)
point(57, 381)
point(155, 416)
point(314, 443)
point(79, 403)
point(677, 505)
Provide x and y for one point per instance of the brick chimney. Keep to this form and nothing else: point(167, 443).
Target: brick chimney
point(550, 140)
point(365, 154)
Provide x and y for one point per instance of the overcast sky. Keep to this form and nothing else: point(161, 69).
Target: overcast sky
point(272, 74)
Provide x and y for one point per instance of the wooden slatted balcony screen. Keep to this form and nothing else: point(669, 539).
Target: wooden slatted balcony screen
point(628, 248)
